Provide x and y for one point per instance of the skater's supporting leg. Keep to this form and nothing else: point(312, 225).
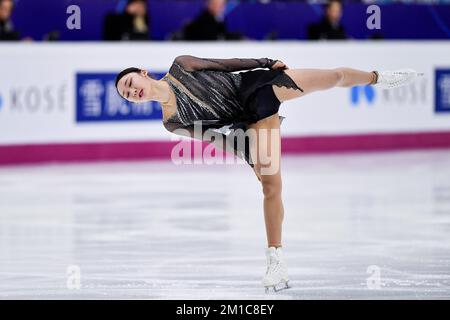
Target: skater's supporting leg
point(267, 142)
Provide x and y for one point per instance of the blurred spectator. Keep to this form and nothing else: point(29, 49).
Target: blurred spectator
point(6, 27)
point(330, 27)
point(132, 24)
point(210, 24)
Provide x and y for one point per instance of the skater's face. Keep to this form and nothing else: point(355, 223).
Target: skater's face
point(135, 86)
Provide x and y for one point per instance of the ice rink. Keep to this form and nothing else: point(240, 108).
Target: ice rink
point(357, 226)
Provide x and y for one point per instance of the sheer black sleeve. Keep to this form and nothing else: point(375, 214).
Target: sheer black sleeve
point(191, 63)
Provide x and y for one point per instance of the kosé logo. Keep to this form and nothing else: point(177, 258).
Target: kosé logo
point(36, 99)
point(410, 95)
point(414, 94)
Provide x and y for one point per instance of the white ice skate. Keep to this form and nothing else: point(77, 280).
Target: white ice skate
point(397, 78)
point(276, 277)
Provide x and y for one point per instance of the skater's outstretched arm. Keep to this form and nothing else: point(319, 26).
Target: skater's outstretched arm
point(192, 63)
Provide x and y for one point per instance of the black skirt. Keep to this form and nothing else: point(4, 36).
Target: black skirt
point(257, 95)
point(259, 101)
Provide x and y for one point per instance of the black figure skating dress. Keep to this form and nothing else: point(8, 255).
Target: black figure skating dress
point(210, 93)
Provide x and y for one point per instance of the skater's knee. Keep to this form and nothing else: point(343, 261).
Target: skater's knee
point(271, 186)
point(338, 76)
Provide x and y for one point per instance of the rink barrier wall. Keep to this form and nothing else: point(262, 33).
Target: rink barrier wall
point(58, 101)
point(161, 150)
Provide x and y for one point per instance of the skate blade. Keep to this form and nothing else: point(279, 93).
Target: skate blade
point(278, 287)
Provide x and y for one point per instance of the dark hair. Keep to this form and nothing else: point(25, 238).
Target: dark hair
point(125, 72)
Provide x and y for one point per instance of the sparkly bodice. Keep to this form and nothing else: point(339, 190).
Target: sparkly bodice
point(208, 90)
point(207, 95)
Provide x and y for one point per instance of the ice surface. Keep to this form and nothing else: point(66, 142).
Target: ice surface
point(154, 230)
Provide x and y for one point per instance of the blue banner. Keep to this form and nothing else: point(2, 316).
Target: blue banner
point(97, 99)
point(442, 90)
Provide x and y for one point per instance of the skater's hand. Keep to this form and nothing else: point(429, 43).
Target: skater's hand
point(279, 65)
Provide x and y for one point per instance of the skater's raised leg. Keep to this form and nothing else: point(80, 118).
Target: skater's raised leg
point(312, 80)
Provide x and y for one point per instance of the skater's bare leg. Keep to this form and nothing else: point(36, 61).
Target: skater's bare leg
point(267, 142)
point(311, 80)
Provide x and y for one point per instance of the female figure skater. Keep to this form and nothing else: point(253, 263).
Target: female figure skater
point(208, 90)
